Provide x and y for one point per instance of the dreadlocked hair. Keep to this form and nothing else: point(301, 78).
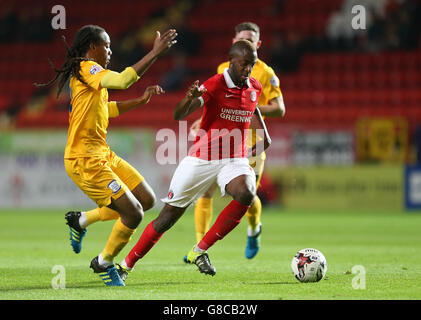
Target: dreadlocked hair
point(75, 55)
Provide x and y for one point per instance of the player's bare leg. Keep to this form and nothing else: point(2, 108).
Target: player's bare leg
point(131, 214)
point(243, 190)
point(145, 195)
point(168, 216)
point(79, 221)
point(203, 214)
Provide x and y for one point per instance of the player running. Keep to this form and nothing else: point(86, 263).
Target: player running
point(118, 189)
point(229, 106)
point(270, 104)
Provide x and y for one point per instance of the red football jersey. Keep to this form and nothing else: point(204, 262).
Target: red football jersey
point(226, 118)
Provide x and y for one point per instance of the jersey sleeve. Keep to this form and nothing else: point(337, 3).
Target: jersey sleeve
point(92, 73)
point(270, 86)
point(122, 80)
point(208, 85)
point(113, 111)
point(259, 88)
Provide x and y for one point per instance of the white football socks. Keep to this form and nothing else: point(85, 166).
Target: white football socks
point(104, 263)
point(253, 233)
point(83, 221)
point(198, 250)
point(124, 265)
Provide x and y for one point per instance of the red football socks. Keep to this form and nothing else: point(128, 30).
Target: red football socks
point(147, 240)
point(227, 220)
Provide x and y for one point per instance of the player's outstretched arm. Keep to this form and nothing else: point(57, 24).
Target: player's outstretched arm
point(124, 79)
point(190, 102)
point(160, 46)
point(259, 125)
point(274, 108)
point(124, 106)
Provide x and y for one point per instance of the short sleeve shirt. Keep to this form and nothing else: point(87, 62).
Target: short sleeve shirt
point(89, 113)
point(227, 113)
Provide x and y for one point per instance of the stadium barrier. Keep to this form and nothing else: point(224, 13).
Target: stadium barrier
point(33, 173)
point(341, 188)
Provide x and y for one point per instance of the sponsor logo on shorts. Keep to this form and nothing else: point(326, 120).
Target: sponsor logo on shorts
point(170, 195)
point(114, 186)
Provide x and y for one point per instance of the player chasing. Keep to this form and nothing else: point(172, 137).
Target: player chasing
point(232, 93)
point(270, 104)
point(117, 188)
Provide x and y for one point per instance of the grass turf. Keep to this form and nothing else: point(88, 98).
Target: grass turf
point(387, 245)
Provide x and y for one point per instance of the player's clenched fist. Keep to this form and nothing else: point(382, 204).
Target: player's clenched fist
point(150, 91)
point(195, 91)
point(154, 90)
point(190, 102)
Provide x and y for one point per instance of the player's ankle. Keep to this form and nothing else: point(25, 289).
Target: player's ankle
point(252, 232)
point(83, 220)
point(198, 250)
point(104, 263)
point(125, 266)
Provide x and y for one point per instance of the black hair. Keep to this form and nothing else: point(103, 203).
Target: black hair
point(75, 54)
point(242, 47)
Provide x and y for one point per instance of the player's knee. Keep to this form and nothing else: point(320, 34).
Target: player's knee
point(139, 211)
point(245, 196)
point(163, 225)
point(148, 202)
point(167, 218)
point(135, 215)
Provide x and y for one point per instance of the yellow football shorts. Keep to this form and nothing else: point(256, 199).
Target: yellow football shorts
point(103, 178)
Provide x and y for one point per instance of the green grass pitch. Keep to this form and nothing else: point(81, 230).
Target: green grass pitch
point(386, 245)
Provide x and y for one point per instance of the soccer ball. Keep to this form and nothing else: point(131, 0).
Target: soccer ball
point(309, 265)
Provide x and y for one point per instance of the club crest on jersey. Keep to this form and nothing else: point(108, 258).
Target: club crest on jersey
point(95, 69)
point(253, 96)
point(274, 81)
point(114, 186)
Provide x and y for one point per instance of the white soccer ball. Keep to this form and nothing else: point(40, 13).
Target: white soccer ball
point(309, 265)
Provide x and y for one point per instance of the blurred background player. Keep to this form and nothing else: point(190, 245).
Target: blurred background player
point(270, 104)
point(113, 184)
point(223, 97)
